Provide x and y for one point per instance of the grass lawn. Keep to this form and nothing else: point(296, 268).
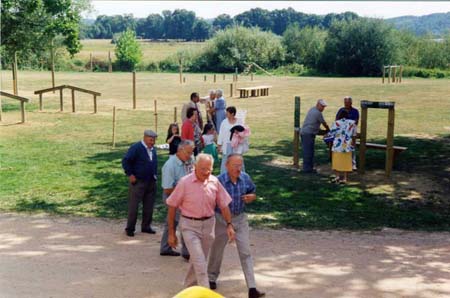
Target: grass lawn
point(152, 51)
point(63, 163)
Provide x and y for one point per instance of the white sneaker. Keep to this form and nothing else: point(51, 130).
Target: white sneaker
point(354, 168)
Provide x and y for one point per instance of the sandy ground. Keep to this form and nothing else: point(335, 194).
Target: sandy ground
point(46, 256)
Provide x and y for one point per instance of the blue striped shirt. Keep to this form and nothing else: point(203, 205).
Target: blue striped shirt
point(244, 185)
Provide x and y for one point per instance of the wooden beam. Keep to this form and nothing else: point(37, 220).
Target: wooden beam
point(114, 128)
point(390, 143)
point(61, 101)
point(363, 140)
point(296, 143)
point(22, 111)
point(134, 90)
point(6, 94)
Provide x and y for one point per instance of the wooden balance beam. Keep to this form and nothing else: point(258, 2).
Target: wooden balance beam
point(397, 149)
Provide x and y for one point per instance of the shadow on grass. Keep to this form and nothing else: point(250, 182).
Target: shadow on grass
point(289, 198)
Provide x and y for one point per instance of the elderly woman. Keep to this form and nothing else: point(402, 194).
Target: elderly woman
point(219, 108)
point(224, 140)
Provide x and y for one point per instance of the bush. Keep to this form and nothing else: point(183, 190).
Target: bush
point(409, 71)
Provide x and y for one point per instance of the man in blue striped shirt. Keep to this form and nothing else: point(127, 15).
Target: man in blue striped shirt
point(241, 188)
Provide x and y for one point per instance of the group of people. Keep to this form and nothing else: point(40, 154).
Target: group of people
point(209, 210)
point(340, 137)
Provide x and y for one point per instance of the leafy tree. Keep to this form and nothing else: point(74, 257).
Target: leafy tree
point(128, 51)
point(179, 24)
point(237, 46)
point(304, 46)
point(29, 26)
point(255, 17)
point(222, 22)
point(359, 47)
point(433, 53)
point(151, 27)
point(201, 30)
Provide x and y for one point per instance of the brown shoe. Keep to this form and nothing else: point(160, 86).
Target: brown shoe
point(254, 293)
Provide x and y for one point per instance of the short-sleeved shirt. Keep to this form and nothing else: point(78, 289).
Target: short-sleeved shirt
point(343, 131)
point(173, 170)
point(243, 186)
point(313, 119)
point(197, 198)
point(353, 114)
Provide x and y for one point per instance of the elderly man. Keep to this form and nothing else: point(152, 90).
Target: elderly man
point(353, 114)
point(176, 167)
point(241, 188)
point(309, 130)
point(196, 195)
point(209, 103)
point(140, 165)
point(193, 103)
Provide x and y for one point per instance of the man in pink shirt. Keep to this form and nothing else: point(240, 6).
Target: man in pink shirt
point(196, 195)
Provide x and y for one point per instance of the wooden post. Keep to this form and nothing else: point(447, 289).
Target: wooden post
point(90, 58)
point(134, 90)
point(13, 68)
point(22, 110)
point(61, 102)
point(384, 73)
point(16, 85)
point(95, 104)
point(231, 90)
point(390, 74)
point(109, 61)
point(401, 73)
point(363, 139)
point(214, 78)
point(224, 77)
point(204, 78)
point(73, 100)
point(184, 79)
point(390, 143)
point(52, 66)
point(394, 74)
point(114, 128)
point(296, 130)
point(175, 114)
point(181, 71)
point(156, 118)
point(251, 75)
point(40, 101)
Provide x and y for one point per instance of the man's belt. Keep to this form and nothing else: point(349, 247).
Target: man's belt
point(197, 218)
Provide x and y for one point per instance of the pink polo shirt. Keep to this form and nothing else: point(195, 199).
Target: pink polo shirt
point(198, 199)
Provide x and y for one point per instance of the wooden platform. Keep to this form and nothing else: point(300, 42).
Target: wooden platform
point(255, 91)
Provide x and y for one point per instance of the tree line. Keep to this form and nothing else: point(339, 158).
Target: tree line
point(185, 25)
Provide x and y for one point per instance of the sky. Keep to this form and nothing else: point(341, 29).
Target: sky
point(211, 9)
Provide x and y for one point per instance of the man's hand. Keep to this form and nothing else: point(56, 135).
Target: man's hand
point(132, 179)
point(248, 198)
point(173, 240)
point(231, 233)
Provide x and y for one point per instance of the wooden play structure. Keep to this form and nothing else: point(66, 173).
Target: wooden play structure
point(393, 75)
point(22, 100)
point(250, 66)
point(61, 102)
point(391, 150)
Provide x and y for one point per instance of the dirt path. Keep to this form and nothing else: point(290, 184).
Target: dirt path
point(46, 256)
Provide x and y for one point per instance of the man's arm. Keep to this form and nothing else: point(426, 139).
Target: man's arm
point(127, 164)
point(171, 223)
point(168, 191)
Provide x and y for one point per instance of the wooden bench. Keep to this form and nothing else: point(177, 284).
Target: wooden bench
point(255, 91)
point(397, 149)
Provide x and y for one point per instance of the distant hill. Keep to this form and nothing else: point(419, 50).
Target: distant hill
point(437, 23)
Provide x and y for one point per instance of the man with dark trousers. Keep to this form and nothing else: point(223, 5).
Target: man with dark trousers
point(140, 165)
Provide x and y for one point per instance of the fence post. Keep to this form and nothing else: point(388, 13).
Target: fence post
point(109, 60)
point(363, 139)
point(22, 110)
point(52, 65)
point(214, 78)
point(114, 128)
point(16, 85)
point(296, 130)
point(251, 75)
point(90, 58)
point(224, 77)
point(384, 73)
point(73, 100)
point(40, 101)
point(95, 104)
point(156, 118)
point(61, 102)
point(134, 90)
point(204, 78)
point(231, 90)
point(175, 114)
point(390, 142)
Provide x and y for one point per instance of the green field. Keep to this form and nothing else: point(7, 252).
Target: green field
point(152, 51)
point(63, 163)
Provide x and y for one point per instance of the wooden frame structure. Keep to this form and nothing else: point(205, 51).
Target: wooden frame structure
point(255, 91)
point(73, 89)
point(391, 70)
point(22, 100)
point(365, 105)
point(296, 143)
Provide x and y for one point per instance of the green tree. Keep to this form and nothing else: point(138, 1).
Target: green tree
point(30, 26)
point(201, 30)
point(359, 47)
point(237, 46)
point(128, 51)
point(304, 46)
point(222, 22)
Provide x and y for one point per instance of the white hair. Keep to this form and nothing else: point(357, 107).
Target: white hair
point(219, 92)
point(204, 156)
point(212, 91)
